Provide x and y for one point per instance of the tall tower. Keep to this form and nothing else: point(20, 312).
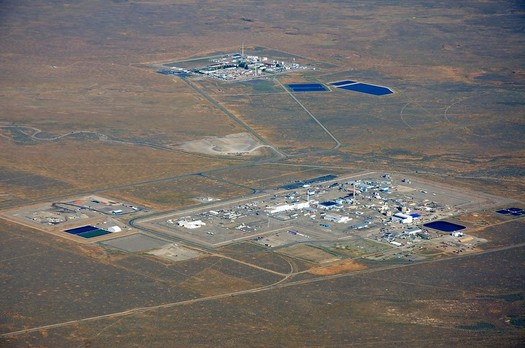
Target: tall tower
point(308, 197)
point(242, 51)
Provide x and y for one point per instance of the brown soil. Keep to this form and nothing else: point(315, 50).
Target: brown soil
point(339, 267)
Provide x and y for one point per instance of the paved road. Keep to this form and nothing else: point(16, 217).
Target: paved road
point(337, 143)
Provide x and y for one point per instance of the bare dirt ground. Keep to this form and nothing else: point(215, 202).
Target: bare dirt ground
point(175, 252)
point(339, 267)
point(240, 144)
point(305, 252)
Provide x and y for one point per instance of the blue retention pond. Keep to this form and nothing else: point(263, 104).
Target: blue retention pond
point(87, 231)
point(511, 211)
point(307, 87)
point(82, 229)
point(173, 73)
point(367, 89)
point(328, 204)
point(93, 234)
point(503, 212)
point(444, 226)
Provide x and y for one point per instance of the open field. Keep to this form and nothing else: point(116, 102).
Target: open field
point(308, 253)
point(84, 112)
point(264, 176)
point(259, 256)
point(62, 168)
point(280, 120)
point(182, 192)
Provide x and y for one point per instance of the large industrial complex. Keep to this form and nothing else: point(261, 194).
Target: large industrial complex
point(382, 214)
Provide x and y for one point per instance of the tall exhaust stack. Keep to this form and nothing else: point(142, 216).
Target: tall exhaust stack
point(308, 197)
point(353, 196)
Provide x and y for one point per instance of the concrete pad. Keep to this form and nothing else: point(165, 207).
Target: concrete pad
point(135, 242)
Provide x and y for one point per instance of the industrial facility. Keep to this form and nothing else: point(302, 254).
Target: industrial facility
point(389, 211)
point(235, 66)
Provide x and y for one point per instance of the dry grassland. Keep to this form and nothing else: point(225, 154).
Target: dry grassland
point(178, 193)
point(210, 282)
point(274, 175)
point(92, 165)
point(119, 101)
point(309, 253)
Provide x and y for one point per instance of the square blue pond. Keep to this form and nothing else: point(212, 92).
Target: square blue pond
point(81, 229)
point(87, 231)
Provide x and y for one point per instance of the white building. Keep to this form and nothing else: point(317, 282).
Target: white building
point(411, 231)
point(191, 224)
point(286, 207)
point(114, 229)
point(403, 218)
point(337, 218)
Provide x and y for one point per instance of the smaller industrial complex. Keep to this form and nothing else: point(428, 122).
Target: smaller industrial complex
point(81, 219)
point(233, 67)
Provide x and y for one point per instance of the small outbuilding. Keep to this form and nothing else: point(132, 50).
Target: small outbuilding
point(114, 229)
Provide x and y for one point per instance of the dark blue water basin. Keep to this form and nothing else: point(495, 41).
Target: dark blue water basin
point(307, 87)
point(444, 226)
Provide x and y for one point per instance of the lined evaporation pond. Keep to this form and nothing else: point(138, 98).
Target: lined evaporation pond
point(307, 87)
point(173, 73)
point(511, 212)
point(87, 231)
point(361, 87)
point(444, 226)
